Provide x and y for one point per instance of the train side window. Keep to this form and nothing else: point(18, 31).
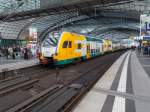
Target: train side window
point(65, 44)
point(94, 51)
point(79, 46)
point(70, 44)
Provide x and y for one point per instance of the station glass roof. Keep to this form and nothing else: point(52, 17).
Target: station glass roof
point(44, 24)
point(11, 6)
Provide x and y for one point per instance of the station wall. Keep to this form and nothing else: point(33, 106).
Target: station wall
point(11, 42)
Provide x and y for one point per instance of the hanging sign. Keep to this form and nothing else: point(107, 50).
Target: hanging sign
point(145, 25)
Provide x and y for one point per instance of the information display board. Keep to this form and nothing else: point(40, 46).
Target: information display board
point(145, 25)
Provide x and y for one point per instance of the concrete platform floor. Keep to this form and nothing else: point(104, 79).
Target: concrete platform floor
point(3, 60)
point(125, 87)
point(145, 62)
point(13, 64)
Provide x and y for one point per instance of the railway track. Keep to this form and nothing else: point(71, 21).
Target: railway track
point(10, 85)
point(63, 97)
point(29, 71)
point(21, 78)
point(24, 74)
point(23, 81)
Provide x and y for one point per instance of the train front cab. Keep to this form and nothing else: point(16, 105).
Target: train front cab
point(71, 48)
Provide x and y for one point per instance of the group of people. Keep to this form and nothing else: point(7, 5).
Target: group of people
point(144, 49)
point(16, 52)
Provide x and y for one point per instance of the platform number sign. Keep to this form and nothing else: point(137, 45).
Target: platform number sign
point(145, 25)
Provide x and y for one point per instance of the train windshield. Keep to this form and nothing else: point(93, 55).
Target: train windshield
point(52, 40)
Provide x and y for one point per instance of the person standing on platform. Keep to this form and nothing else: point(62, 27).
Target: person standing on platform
point(139, 49)
point(18, 50)
point(0, 52)
point(7, 53)
point(149, 49)
point(26, 53)
point(14, 53)
point(10, 49)
point(22, 52)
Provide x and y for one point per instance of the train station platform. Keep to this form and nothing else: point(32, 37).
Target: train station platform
point(13, 64)
point(125, 87)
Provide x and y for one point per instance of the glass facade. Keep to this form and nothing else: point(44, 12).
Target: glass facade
point(46, 23)
point(11, 6)
point(10, 30)
point(48, 3)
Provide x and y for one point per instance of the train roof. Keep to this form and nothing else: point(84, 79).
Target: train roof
point(89, 38)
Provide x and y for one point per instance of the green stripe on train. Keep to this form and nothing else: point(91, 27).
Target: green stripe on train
point(68, 61)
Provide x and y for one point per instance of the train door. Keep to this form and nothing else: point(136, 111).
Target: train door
point(101, 48)
point(70, 50)
point(64, 51)
point(88, 51)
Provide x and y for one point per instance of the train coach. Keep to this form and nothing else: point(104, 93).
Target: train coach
point(66, 47)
